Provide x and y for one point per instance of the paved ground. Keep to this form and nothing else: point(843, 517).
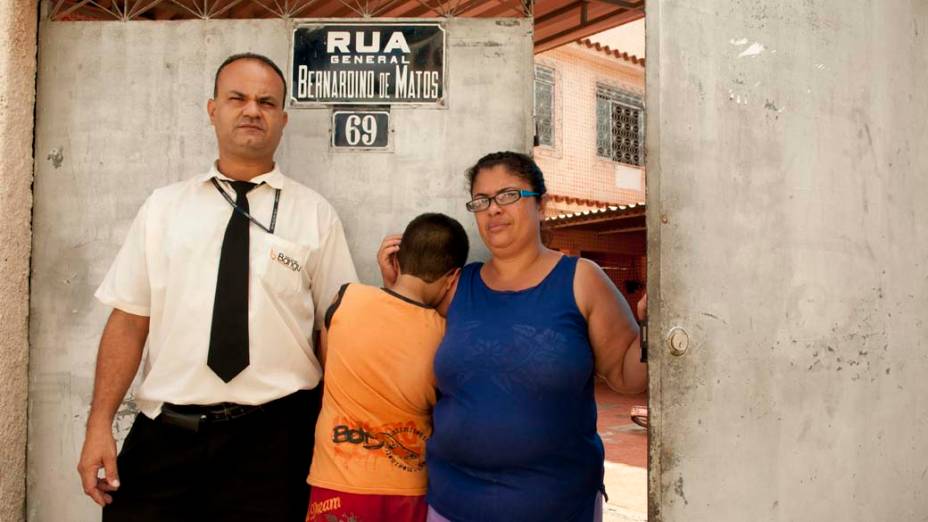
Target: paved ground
point(626, 456)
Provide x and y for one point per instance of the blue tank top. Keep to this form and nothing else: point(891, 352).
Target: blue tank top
point(515, 424)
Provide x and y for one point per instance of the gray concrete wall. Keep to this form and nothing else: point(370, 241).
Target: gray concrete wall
point(788, 228)
point(17, 99)
point(124, 103)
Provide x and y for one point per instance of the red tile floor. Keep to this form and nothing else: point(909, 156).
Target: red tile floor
point(625, 442)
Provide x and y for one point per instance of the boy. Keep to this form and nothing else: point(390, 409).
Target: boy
point(377, 348)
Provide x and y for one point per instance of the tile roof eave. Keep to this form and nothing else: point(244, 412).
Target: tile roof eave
point(630, 58)
point(612, 210)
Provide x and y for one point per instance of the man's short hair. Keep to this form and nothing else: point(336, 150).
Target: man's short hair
point(249, 56)
point(433, 244)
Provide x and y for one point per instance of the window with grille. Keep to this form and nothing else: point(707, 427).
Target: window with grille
point(619, 125)
point(544, 105)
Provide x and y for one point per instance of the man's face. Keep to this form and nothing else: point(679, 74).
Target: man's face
point(247, 111)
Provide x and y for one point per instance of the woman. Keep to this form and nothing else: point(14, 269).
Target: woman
point(514, 435)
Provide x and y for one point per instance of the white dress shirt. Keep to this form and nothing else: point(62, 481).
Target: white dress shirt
point(167, 270)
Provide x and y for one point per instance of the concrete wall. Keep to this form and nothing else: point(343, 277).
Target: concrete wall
point(788, 229)
point(17, 98)
point(124, 103)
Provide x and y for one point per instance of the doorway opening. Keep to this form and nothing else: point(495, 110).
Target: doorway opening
point(589, 119)
point(599, 215)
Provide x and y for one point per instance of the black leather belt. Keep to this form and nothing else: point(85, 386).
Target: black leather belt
point(194, 417)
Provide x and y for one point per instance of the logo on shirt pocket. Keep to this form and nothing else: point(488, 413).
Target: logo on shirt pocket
point(285, 260)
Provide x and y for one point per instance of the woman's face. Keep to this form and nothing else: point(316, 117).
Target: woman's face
point(511, 227)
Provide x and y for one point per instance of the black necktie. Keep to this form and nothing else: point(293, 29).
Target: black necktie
point(228, 337)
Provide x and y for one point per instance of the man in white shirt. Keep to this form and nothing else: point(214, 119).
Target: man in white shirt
point(226, 275)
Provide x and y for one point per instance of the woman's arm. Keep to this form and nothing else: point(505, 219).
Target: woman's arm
point(612, 329)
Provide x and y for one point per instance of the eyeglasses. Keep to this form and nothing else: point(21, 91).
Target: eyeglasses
point(506, 197)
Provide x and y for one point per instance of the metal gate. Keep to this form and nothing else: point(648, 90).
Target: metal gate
point(788, 243)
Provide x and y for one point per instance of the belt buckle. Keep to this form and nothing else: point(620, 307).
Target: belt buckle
point(229, 412)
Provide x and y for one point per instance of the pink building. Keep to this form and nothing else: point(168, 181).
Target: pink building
point(589, 120)
point(589, 113)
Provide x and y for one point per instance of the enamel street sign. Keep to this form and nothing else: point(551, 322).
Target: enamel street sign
point(359, 63)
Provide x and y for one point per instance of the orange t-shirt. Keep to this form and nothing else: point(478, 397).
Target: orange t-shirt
point(379, 389)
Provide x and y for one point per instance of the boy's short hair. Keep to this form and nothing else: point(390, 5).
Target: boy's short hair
point(433, 244)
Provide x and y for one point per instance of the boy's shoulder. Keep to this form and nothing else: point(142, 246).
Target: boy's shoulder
point(368, 299)
point(361, 291)
point(357, 293)
point(339, 297)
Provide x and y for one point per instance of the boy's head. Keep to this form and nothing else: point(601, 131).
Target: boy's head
point(433, 245)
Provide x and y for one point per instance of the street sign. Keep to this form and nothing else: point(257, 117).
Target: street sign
point(361, 129)
point(363, 63)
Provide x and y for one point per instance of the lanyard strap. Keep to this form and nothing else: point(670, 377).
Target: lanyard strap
point(240, 210)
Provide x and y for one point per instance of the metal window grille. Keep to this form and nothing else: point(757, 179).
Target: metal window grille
point(544, 105)
point(619, 125)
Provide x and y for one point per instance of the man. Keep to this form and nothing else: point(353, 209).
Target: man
point(227, 276)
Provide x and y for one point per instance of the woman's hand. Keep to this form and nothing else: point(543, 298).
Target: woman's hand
point(386, 259)
point(643, 308)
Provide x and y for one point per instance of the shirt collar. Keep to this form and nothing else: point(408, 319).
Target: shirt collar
point(274, 178)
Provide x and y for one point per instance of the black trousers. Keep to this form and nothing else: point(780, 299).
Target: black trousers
point(252, 468)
